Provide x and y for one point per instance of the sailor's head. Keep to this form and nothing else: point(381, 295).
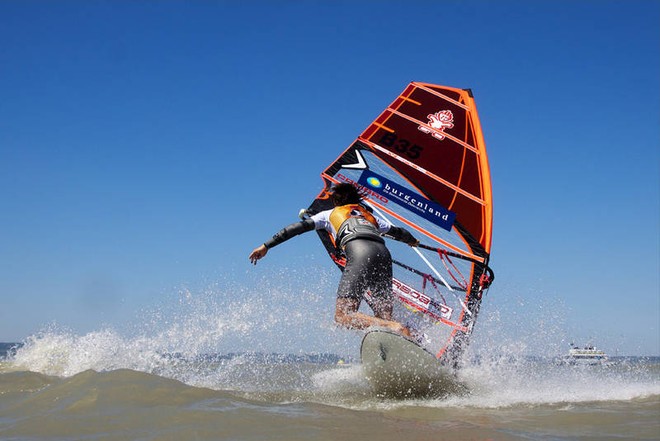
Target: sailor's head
point(344, 194)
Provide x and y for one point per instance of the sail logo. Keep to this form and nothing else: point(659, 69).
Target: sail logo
point(438, 123)
point(374, 182)
point(367, 189)
point(420, 301)
point(408, 199)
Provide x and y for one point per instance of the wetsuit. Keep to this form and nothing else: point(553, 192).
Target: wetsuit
point(368, 262)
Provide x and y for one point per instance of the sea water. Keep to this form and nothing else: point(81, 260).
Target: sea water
point(203, 370)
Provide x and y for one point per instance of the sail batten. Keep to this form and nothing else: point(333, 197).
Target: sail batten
point(437, 178)
point(430, 128)
point(422, 86)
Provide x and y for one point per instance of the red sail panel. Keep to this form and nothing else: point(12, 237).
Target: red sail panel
point(432, 136)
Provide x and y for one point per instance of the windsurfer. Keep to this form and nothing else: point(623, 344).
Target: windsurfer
point(368, 261)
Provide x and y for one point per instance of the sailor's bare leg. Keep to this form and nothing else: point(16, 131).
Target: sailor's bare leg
point(347, 315)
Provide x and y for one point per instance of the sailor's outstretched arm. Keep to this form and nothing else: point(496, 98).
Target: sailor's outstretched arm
point(283, 235)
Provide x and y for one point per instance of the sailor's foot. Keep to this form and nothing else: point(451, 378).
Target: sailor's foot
point(400, 329)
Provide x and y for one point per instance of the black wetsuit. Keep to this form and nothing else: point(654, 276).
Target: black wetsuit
point(368, 261)
point(368, 269)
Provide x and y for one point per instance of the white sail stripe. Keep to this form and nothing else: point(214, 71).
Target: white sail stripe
point(445, 134)
point(430, 174)
point(429, 264)
point(359, 165)
point(427, 233)
point(435, 271)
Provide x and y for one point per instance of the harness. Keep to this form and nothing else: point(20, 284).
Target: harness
point(354, 222)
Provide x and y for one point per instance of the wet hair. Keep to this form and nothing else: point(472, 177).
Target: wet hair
point(344, 194)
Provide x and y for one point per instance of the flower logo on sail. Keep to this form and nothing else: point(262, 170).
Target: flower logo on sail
point(438, 122)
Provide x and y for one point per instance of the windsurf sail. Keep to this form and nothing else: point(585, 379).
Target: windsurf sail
point(422, 165)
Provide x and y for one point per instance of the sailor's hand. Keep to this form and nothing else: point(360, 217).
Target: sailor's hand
point(408, 238)
point(258, 253)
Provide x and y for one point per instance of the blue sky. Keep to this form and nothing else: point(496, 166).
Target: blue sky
point(148, 146)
